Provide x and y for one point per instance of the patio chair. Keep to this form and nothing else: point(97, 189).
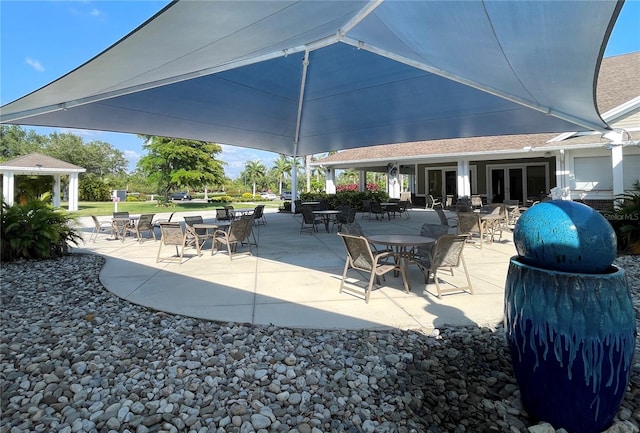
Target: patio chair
point(347, 215)
point(258, 216)
point(145, 224)
point(470, 223)
point(230, 212)
point(495, 226)
point(309, 221)
point(197, 236)
point(429, 230)
point(172, 234)
point(100, 227)
point(222, 214)
point(238, 233)
point(361, 258)
point(120, 224)
point(432, 202)
point(449, 201)
point(406, 196)
point(157, 222)
point(366, 208)
point(446, 254)
point(476, 201)
point(377, 210)
point(452, 222)
point(403, 209)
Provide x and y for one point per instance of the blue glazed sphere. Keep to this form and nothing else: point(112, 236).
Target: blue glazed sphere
point(565, 236)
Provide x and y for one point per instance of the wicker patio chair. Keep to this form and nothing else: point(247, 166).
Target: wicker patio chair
point(258, 216)
point(238, 233)
point(144, 224)
point(309, 221)
point(470, 223)
point(172, 234)
point(197, 236)
point(100, 227)
point(361, 258)
point(446, 254)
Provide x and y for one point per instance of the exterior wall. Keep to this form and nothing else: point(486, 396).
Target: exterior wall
point(480, 178)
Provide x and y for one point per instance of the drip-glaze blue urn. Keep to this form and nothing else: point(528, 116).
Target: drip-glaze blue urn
point(571, 334)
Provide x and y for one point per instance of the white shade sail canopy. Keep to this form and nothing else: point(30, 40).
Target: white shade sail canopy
point(304, 77)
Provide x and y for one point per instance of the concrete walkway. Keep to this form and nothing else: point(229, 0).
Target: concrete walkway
point(292, 280)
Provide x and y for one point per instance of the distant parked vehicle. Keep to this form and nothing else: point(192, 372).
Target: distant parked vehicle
point(181, 196)
point(268, 196)
point(286, 195)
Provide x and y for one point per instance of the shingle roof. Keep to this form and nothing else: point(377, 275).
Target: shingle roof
point(618, 82)
point(40, 161)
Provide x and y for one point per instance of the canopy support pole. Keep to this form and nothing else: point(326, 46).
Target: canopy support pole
point(303, 83)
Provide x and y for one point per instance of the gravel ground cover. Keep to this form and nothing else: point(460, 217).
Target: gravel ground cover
point(75, 358)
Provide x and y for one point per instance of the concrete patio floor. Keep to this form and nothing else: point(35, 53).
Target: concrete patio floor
point(292, 279)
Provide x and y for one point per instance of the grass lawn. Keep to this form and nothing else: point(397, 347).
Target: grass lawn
point(104, 208)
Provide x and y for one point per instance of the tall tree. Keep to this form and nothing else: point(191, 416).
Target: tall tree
point(177, 163)
point(98, 157)
point(16, 141)
point(255, 171)
point(282, 167)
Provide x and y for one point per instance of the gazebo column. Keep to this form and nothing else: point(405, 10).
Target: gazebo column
point(464, 183)
point(8, 187)
point(73, 192)
point(56, 190)
point(393, 181)
point(362, 180)
point(617, 170)
point(330, 184)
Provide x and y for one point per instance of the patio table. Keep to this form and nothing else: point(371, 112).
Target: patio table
point(326, 217)
point(120, 225)
point(210, 230)
point(400, 243)
point(387, 207)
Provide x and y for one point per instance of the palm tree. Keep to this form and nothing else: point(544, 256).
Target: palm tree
point(282, 168)
point(254, 171)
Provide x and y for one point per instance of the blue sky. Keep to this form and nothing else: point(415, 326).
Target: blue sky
point(43, 40)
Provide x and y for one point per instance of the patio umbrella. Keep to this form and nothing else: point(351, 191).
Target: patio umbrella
point(304, 77)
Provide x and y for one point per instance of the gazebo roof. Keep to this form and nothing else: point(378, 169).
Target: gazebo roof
point(37, 163)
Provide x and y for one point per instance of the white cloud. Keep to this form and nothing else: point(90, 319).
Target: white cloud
point(133, 157)
point(95, 12)
point(35, 64)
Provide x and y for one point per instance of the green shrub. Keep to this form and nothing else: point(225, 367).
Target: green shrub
point(35, 230)
point(626, 220)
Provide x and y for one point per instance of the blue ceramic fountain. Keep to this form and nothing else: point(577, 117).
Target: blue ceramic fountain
point(569, 319)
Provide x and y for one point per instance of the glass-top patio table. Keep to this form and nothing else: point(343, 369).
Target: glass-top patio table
point(400, 243)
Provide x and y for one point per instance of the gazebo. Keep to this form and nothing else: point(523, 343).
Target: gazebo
point(37, 164)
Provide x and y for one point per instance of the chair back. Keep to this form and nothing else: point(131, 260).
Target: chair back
point(406, 196)
point(96, 222)
point(441, 215)
point(352, 228)
point(342, 217)
point(376, 207)
point(447, 251)
point(469, 222)
point(121, 214)
point(366, 205)
point(221, 214)
point(145, 222)
point(476, 201)
point(197, 219)
point(307, 215)
point(433, 230)
point(358, 251)
point(258, 215)
point(171, 233)
point(240, 229)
